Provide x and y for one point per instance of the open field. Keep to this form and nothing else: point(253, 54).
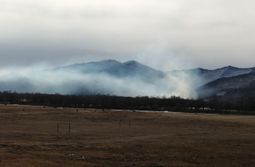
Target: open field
point(42, 136)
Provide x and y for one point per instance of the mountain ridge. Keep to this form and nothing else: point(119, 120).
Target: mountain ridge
point(212, 82)
point(132, 78)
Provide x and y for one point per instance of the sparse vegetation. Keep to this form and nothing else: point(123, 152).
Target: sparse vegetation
point(39, 136)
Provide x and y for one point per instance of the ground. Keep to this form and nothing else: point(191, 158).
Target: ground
point(40, 136)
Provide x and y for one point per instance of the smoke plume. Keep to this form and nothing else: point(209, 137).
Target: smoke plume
point(43, 80)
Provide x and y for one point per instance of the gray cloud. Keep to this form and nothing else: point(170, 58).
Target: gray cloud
point(163, 33)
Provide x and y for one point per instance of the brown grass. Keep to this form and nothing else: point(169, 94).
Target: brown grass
point(29, 137)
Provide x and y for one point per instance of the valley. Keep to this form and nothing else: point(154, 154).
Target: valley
point(46, 136)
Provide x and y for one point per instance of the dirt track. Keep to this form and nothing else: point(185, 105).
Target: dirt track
point(38, 136)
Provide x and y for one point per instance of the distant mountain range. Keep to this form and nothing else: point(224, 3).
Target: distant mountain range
point(232, 88)
point(221, 82)
point(114, 68)
point(132, 78)
point(225, 84)
point(212, 75)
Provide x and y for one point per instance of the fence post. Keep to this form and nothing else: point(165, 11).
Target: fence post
point(57, 128)
point(69, 127)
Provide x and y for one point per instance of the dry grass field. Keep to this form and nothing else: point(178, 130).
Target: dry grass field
point(42, 136)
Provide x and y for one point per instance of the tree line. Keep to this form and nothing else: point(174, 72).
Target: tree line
point(244, 106)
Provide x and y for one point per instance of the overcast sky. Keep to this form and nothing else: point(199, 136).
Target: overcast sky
point(167, 33)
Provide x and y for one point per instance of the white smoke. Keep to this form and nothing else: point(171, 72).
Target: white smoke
point(36, 79)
